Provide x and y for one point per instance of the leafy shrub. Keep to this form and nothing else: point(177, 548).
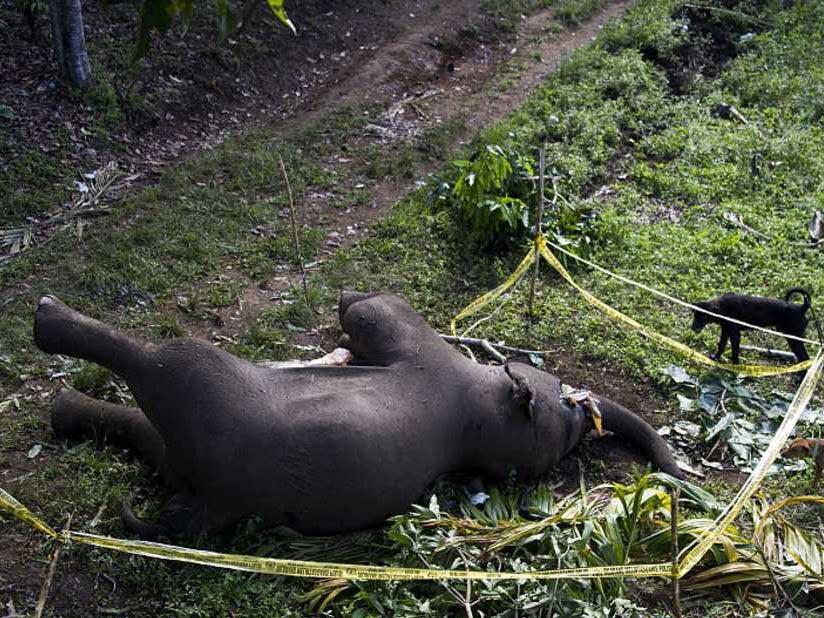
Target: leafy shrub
point(651, 29)
point(491, 192)
point(573, 224)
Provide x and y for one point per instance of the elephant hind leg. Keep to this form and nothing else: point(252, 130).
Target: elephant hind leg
point(59, 329)
point(183, 516)
point(77, 416)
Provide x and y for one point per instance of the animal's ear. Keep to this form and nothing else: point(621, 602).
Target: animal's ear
point(798, 448)
point(522, 391)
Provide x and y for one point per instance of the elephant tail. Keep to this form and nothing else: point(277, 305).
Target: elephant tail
point(135, 525)
point(638, 432)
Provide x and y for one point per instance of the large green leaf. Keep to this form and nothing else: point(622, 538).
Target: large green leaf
point(280, 13)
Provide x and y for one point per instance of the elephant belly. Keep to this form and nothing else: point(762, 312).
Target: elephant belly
point(319, 453)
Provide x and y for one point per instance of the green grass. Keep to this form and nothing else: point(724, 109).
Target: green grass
point(613, 116)
point(672, 168)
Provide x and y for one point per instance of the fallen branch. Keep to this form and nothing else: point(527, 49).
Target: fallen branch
point(397, 108)
point(493, 352)
point(44, 589)
point(89, 212)
point(769, 352)
point(486, 344)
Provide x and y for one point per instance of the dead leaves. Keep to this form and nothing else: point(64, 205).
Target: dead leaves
point(90, 189)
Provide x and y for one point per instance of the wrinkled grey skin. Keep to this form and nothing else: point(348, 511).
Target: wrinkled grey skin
point(320, 449)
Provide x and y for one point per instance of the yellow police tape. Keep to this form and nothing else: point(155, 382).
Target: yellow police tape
point(699, 548)
point(686, 351)
point(329, 570)
point(326, 570)
point(319, 570)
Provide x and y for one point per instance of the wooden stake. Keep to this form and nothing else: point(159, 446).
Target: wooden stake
point(295, 237)
point(539, 227)
point(44, 589)
point(676, 583)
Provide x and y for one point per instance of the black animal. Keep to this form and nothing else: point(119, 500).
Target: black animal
point(782, 315)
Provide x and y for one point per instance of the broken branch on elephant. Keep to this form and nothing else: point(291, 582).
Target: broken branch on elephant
point(233, 439)
point(498, 346)
point(339, 357)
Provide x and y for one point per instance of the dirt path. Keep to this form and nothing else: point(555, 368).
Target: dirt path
point(421, 83)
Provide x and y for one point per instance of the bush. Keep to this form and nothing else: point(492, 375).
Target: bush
point(491, 192)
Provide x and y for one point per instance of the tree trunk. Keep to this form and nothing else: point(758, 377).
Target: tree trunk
point(70, 41)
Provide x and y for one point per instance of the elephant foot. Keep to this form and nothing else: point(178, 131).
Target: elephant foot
point(53, 321)
point(182, 517)
point(72, 417)
point(58, 329)
point(77, 416)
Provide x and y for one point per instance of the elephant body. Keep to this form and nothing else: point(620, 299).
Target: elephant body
point(321, 449)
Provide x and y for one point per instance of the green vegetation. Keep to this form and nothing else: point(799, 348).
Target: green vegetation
point(643, 161)
point(491, 192)
point(605, 525)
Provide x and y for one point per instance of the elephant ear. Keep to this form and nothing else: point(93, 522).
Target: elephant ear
point(522, 391)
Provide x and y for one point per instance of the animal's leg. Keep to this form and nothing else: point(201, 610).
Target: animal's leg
point(77, 416)
point(183, 516)
point(798, 349)
point(735, 345)
point(384, 330)
point(61, 330)
point(819, 463)
point(722, 343)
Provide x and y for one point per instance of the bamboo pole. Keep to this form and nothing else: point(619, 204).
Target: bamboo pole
point(539, 226)
point(676, 583)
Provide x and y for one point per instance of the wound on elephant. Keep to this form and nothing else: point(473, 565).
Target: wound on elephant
point(235, 439)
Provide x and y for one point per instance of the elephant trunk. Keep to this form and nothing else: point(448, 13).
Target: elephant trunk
point(638, 432)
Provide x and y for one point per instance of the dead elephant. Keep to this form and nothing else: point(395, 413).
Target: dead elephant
point(321, 449)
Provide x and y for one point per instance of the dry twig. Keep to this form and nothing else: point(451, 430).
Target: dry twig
point(483, 343)
point(44, 589)
point(295, 237)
